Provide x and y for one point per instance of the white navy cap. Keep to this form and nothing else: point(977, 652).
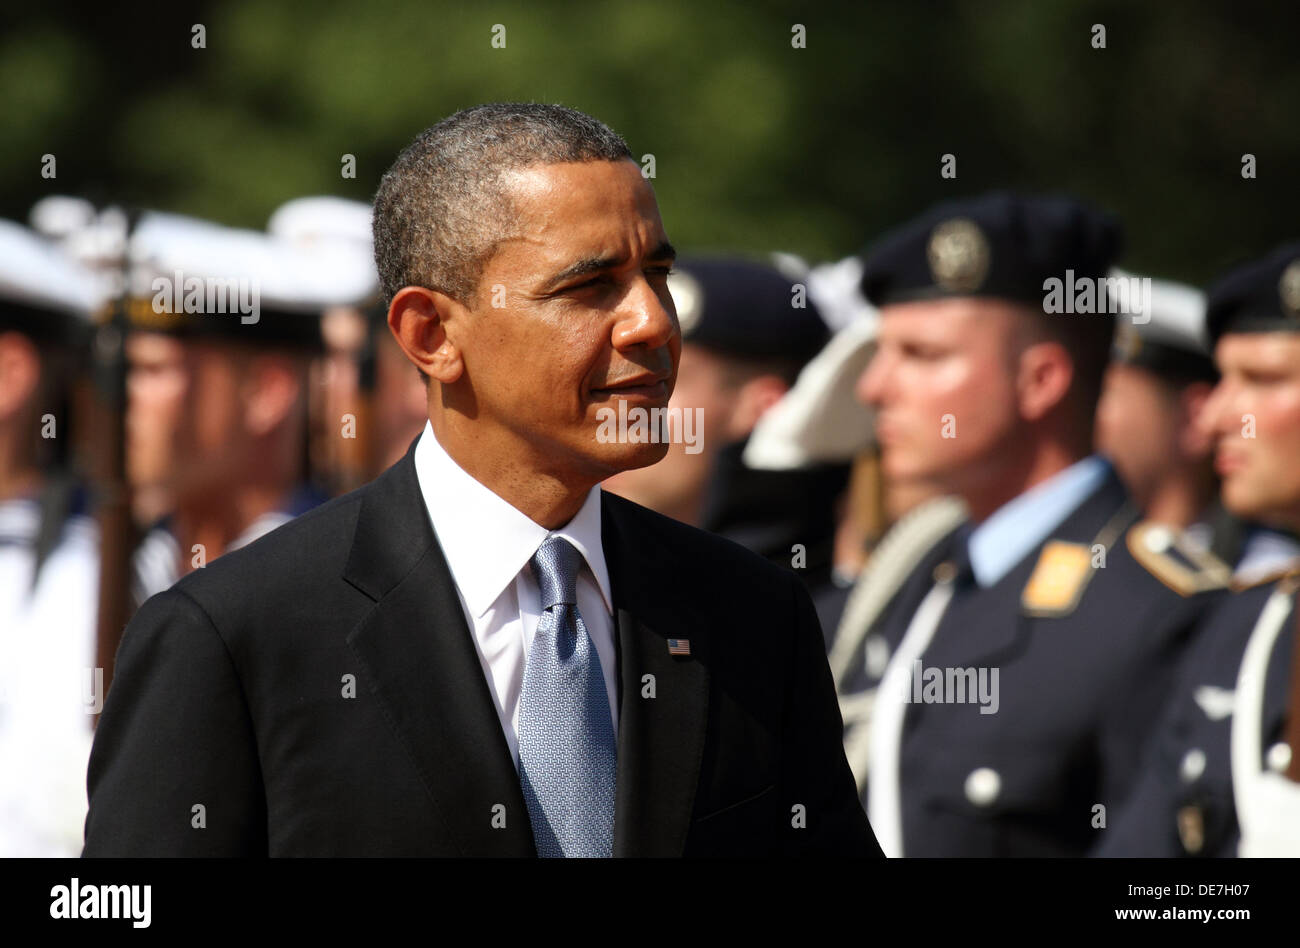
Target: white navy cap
point(96, 238)
point(310, 220)
point(45, 293)
point(194, 277)
point(1163, 332)
point(343, 225)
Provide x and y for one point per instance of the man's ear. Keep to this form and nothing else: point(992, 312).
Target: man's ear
point(753, 401)
point(20, 373)
point(1046, 371)
point(272, 385)
point(423, 322)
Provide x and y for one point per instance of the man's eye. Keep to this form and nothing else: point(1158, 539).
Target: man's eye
point(922, 353)
point(1263, 378)
point(663, 271)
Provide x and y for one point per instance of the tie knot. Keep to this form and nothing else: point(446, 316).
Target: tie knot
point(556, 565)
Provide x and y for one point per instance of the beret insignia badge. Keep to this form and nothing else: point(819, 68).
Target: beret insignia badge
point(1288, 289)
point(958, 255)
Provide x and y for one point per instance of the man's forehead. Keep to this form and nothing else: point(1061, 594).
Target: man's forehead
point(594, 202)
point(925, 317)
point(152, 342)
point(1259, 348)
point(544, 179)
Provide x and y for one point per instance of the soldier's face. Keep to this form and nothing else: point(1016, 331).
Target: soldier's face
point(1254, 418)
point(403, 397)
point(676, 485)
point(206, 445)
point(569, 311)
point(183, 405)
point(1139, 423)
point(157, 381)
point(942, 383)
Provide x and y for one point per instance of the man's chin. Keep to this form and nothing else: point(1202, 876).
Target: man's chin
point(629, 457)
point(641, 455)
point(1240, 501)
point(901, 467)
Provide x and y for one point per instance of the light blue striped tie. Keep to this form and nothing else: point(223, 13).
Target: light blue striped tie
point(567, 753)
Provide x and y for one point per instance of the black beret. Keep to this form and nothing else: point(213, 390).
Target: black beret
point(745, 309)
point(1261, 296)
point(1000, 245)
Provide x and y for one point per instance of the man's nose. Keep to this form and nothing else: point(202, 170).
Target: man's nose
point(870, 387)
point(1211, 417)
point(644, 319)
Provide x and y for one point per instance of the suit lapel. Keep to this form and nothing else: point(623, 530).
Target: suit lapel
point(419, 659)
point(660, 738)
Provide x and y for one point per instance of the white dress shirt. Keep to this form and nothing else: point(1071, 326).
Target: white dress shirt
point(488, 544)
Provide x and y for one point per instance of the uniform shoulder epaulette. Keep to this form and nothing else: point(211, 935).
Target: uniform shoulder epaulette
point(1167, 555)
point(1059, 578)
point(1064, 569)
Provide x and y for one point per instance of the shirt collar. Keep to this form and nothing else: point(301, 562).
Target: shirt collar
point(1264, 553)
point(485, 539)
point(1019, 525)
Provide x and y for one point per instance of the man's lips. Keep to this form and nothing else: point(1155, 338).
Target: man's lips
point(1226, 463)
point(646, 386)
point(886, 432)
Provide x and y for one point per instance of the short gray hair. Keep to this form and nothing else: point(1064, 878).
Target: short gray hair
point(440, 210)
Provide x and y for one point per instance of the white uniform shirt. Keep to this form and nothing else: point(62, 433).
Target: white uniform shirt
point(47, 691)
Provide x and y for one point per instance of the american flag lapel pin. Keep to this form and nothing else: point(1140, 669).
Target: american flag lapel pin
point(679, 646)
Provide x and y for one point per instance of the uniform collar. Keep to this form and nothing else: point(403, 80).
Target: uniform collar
point(1018, 526)
point(485, 539)
point(1266, 553)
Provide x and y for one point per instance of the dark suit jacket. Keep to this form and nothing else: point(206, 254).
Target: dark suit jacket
point(229, 729)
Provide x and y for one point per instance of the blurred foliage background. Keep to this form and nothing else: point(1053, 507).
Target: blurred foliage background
point(758, 146)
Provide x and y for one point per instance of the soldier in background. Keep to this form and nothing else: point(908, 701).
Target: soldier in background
point(1160, 377)
point(886, 528)
point(1021, 663)
point(747, 331)
point(49, 563)
point(1223, 777)
point(368, 405)
point(223, 325)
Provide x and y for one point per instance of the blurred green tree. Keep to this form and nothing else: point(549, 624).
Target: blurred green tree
point(758, 145)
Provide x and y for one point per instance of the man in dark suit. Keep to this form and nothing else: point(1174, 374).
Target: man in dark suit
point(1018, 668)
point(480, 653)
